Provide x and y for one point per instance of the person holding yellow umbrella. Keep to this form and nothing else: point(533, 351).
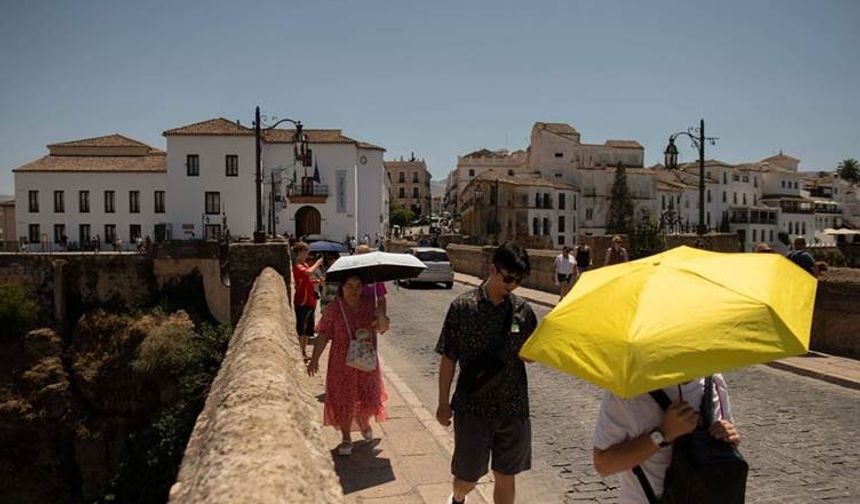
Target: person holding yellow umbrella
point(662, 323)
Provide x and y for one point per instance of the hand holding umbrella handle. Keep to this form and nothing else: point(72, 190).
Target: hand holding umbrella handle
point(679, 419)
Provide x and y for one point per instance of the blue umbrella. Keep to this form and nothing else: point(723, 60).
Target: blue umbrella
point(326, 246)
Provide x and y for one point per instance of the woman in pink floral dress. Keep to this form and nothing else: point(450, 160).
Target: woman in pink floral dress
point(352, 396)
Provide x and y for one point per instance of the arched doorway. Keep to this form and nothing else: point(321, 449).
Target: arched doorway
point(307, 221)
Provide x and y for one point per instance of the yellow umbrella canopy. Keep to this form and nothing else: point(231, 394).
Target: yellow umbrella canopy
point(676, 316)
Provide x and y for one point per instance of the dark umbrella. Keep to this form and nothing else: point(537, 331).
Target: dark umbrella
point(375, 267)
point(326, 246)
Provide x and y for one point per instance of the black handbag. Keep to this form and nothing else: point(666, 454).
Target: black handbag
point(704, 470)
point(487, 370)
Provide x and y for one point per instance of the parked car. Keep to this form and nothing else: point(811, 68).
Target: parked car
point(438, 269)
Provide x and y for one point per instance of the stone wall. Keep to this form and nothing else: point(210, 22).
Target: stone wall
point(68, 284)
point(258, 439)
point(247, 260)
point(836, 321)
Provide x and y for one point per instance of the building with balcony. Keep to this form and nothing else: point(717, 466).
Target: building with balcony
point(410, 184)
point(203, 185)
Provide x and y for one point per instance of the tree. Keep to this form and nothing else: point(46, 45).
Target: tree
point(400, 216)
point(620, 219)
point(849, 170)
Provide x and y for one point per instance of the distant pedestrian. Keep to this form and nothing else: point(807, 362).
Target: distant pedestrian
point(564, 271)
point(353, 244)
point(97, 244)
point(802, 257)
point(583, 257)
point(352, 396)
point(615, 254)
point(763, 248)
point(483, 332)
point(304, 300)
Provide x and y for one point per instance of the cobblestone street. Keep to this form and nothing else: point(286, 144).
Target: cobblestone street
point(800, 434)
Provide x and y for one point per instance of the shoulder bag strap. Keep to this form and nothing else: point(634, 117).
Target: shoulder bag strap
point(662, 400)
point(706, 408)
point(345, 320)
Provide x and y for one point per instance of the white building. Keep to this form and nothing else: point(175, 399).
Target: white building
point(211, 164)
point(114, 186)
point(110, 187)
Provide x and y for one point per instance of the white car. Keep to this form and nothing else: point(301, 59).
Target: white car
point(438, 269)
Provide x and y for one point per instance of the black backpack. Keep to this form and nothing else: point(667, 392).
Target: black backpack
point(704, 470)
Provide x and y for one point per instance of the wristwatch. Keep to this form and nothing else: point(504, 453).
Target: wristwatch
point(658, 438)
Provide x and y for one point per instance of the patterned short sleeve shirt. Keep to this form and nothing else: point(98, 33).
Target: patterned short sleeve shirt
point(475, 325)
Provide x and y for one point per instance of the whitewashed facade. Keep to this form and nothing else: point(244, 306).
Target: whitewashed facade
point(103, 187)
point(203, 186)
point(343, 193)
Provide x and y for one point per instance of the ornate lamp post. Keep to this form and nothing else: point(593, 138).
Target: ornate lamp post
point(697, 138)
point(301, 151)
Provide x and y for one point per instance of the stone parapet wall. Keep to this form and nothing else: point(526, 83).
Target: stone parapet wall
point(835, 325)
point(258, 438)
point(247, 260)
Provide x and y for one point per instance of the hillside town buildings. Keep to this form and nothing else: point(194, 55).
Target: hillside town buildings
point(410, 184)
point(765, 201)
point(202, 186)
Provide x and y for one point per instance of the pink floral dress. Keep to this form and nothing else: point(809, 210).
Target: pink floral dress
point(352, 397)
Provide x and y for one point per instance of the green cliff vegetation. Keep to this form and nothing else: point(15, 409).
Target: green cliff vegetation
point(103, 412)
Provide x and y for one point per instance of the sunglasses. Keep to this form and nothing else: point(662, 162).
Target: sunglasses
point(508, 279)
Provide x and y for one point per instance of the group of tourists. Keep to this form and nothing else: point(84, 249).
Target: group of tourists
point(482, 335)
point(567, 269)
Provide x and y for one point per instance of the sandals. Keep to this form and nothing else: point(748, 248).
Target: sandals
point(345, 449)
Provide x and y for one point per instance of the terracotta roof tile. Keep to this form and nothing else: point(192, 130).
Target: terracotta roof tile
point(525, 181)
point(369, 146)
point(155, 161)
point(624, 144)
point(114, 140)
point(557, 128)
point(215, 127)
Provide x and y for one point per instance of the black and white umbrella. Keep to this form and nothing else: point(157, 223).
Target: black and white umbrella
point(375, 267)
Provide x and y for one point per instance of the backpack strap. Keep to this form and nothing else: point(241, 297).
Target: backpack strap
point(662, 399)
point(646, 485)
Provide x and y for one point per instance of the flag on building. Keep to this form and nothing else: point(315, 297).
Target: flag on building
point(317, 173)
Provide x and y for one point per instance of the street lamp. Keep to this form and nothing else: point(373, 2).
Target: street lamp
point(302, 153)
point(697, 138)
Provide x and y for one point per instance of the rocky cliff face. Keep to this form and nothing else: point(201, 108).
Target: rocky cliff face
point(72, 418)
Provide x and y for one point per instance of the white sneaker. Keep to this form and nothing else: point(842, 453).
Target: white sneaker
point(367, 434)
point(345, 449)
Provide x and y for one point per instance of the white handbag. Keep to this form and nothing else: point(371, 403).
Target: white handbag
point(361, 353)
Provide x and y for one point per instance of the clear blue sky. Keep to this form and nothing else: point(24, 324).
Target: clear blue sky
point(439, 78)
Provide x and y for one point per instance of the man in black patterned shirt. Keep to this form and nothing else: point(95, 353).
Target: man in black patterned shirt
point(483, 333)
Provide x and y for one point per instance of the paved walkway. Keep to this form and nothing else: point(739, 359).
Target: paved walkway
point(830, 368)
point(409, 460)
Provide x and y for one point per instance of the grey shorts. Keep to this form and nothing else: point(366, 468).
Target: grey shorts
point(508, 440)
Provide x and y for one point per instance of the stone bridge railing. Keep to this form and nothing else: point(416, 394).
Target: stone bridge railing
point(258, 438)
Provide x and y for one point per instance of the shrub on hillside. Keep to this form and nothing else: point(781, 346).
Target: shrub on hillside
point(19, 311)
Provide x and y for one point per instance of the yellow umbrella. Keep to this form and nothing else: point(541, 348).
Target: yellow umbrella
point(675, 316)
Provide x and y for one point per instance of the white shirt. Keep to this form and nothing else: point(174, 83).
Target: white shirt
point(625, 419)
point(564, 265)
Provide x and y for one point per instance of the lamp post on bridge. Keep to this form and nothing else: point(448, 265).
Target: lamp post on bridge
point(301, 151)
point(697, 138)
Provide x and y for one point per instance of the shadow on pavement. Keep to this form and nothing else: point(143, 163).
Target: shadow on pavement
point(363, 469)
